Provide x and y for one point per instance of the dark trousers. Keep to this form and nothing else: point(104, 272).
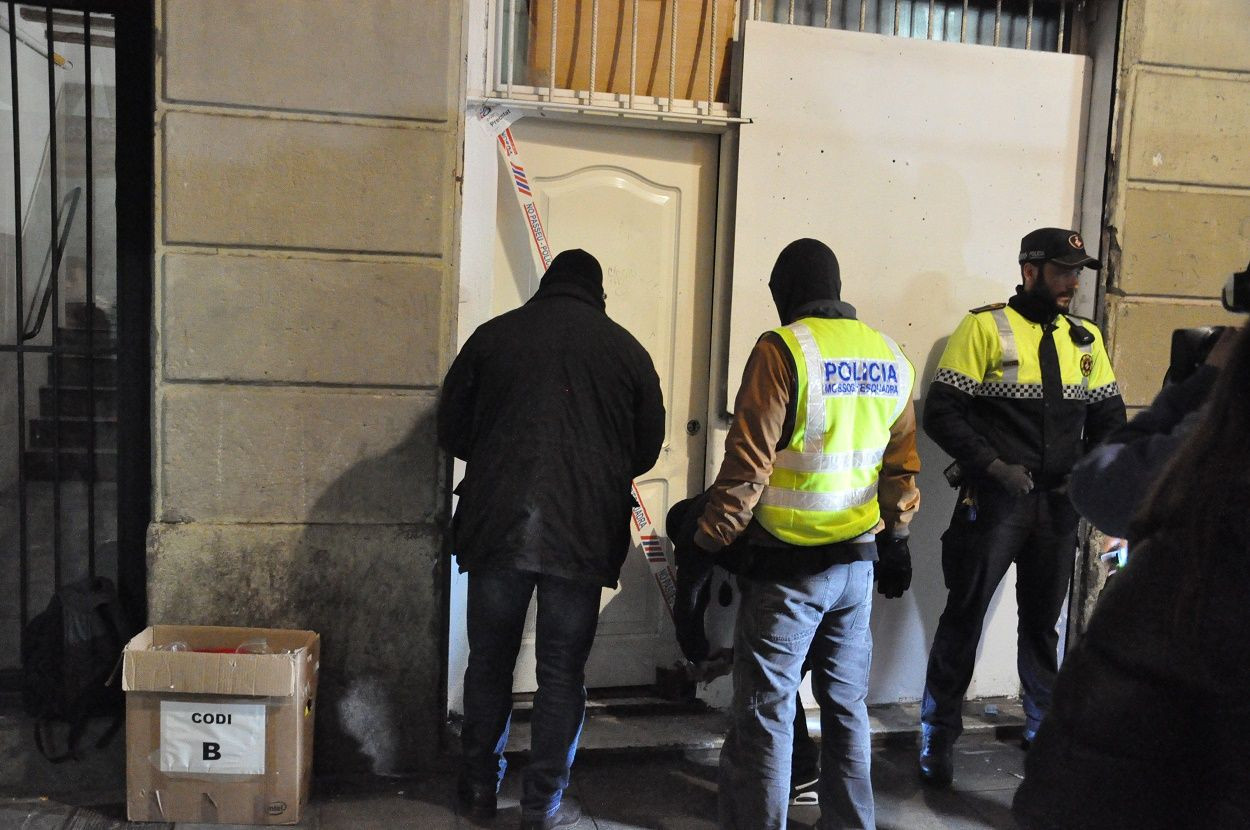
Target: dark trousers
point(568, 613)
point(1038, 533)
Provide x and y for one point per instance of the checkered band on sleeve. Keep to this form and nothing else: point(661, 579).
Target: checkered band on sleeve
point(1102, 393)
point(1019, 391)
point(958, 380)
point(1075, 393)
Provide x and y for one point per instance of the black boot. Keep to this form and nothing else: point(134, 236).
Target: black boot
point(937, 758)
point(477, 801)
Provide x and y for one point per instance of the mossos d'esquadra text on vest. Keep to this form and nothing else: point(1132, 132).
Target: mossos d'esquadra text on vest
point(856, 376)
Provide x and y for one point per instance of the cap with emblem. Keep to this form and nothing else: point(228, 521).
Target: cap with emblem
point(1056, 245)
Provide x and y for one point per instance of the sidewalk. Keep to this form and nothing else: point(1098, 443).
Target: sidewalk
point(668, 783)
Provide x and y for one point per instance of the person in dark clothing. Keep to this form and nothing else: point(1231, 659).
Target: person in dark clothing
point(1148, 728)
point(1110, 483)
point(818, 482)
point(555, 408)
point(1021, 390)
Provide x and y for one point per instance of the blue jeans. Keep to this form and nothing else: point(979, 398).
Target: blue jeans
point(823, 619)
point(568, 613)
point(1037, 532)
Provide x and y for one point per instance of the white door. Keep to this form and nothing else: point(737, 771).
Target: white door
point(643, 202)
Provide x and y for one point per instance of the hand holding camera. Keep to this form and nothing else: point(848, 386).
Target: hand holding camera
point(1209, 345)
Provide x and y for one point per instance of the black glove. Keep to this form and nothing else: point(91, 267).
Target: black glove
point(1013, 478)
point(893, 566)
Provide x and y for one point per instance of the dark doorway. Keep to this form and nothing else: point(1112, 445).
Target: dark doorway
point(76, 104)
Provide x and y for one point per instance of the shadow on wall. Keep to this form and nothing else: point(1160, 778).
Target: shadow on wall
point(375, 591)
point(903, 628)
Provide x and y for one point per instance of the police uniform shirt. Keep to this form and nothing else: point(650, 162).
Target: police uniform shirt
point(1036, 405)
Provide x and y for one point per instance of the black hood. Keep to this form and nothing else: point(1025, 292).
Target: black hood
point(806, 273)
point(573, 273)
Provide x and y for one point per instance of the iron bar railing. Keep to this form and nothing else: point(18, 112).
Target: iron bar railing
point(54, 364)
point(89, 175)
point(61, 440)
point(23, 542)
point(46, 283)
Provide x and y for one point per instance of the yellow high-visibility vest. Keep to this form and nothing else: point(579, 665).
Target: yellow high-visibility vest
point(853, 383)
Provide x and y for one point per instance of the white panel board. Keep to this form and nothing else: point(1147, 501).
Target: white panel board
point(921, 164)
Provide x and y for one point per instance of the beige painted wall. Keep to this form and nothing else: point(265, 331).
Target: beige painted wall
point(1180, 196)
point(307, 159)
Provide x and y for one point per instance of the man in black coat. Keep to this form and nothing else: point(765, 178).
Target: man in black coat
point(555, 408)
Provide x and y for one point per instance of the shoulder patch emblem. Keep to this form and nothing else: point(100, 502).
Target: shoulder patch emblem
point(990, 307)
point(1087, 365)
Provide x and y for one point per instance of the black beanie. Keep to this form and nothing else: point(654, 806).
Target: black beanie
point(806, 271)
point(577, 267)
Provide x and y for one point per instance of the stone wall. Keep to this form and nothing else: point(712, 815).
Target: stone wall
point(1179, 207)
point(1180, 193)
point(307, 156)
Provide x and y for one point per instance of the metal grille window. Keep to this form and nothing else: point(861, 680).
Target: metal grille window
point(664, 58)
point(60, 261)
point(670, 59)
point(1019, 24)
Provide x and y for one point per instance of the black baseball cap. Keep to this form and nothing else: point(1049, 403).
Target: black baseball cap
point(1056, 245)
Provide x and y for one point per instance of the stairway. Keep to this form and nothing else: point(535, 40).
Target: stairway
point(65, 411)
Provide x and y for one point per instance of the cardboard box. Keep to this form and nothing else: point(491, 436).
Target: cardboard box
point(612, 71)
point(215, 736)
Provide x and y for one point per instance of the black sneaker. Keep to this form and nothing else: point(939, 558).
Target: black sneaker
point(804, 794)
point(566, 815)
point(477, 801)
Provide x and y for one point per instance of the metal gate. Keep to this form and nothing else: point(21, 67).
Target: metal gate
point(75, 250)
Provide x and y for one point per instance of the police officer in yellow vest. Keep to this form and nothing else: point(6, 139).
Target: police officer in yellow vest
point(1021, 391)
point(819, 478)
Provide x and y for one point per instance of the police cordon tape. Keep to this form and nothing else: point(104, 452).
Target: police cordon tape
point(497, 121)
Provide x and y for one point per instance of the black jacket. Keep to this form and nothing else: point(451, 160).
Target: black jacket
point(555, 408)
point(1048, 434)
point(1150, 718)
point(1110, 483)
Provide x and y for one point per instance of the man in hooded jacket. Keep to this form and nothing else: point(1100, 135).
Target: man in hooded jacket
point(819, 481)
point(555, 408)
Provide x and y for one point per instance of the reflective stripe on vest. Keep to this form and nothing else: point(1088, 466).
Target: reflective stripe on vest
point(1007, 340)
point(821, 502)
point(1011, 357)
point(824, 483)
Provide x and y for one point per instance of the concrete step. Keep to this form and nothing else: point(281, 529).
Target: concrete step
point(79, 370)
point(651, 723)
point(77, 401)
point(75, 432)
point(74, 464)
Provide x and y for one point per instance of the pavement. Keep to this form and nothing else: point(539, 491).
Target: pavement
point(656, 773)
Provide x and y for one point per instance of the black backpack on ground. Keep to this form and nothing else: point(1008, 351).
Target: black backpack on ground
point(70, 652)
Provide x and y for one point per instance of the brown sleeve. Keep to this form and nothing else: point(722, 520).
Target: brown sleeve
point(751, 446)
point(896, 489)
